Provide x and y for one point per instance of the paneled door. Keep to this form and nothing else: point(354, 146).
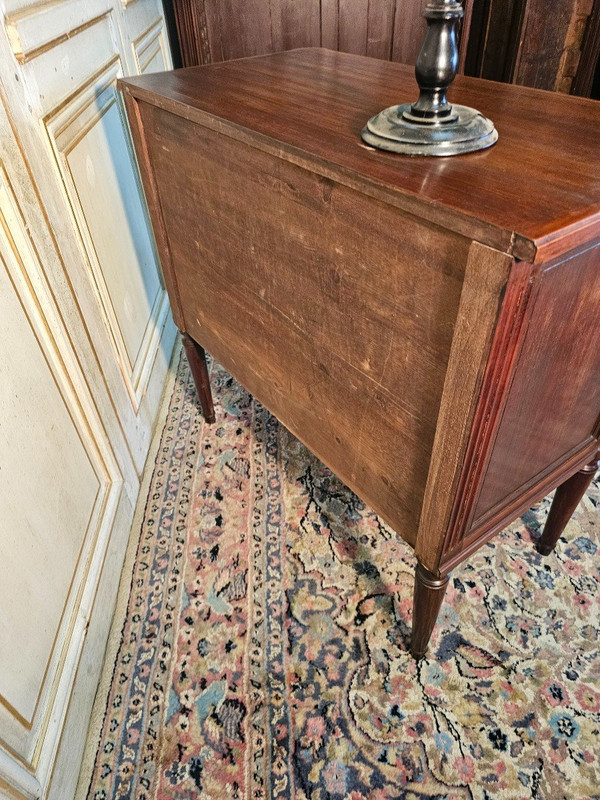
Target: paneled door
point(86, 340)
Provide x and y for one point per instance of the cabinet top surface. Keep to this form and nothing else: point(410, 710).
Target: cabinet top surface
point(539, 183)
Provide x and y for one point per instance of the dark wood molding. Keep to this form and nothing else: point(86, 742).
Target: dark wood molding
point(518, 503)
point(509, 336)
point(516, 37)
point(464, 34)
point(192, 31)
point(487, 278)
point(523, 41)
point(173, 33)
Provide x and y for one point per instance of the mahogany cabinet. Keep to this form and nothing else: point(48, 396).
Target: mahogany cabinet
point(427, 327)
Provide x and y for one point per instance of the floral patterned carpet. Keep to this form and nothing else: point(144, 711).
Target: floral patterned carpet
point(263, 654)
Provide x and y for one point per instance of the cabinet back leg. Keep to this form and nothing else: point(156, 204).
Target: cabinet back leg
point(567, 498)
point(197, 360)
point(428, 596)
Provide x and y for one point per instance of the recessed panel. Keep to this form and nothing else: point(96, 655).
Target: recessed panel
point(553, 406)
point(107, 189)
point(49, 488)
point(149, 49)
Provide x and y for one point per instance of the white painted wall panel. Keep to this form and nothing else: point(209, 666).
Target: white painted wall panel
point(61, 488)
point(85, 342)
point(33, 26)
point(45, 505)
point(104, 178)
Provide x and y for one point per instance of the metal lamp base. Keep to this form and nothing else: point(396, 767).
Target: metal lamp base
point(465, 132)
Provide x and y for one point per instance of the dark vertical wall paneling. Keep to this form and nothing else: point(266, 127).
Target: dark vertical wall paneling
point(329, 24)
point(352, 26)
point(587, 78)
point(294, 24)
point(244, 27)
point(543, 42)
point(380, 28)
point(536, 43)
point(409, 30)
point(219, 30)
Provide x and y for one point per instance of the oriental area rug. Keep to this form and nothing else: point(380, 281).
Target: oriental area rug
point(263, 655)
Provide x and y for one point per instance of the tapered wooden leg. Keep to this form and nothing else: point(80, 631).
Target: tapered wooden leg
point(197, 360)
point(567, 498)
point(428, 595)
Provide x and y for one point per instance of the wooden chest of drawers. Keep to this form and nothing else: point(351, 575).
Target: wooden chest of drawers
point(427, 327)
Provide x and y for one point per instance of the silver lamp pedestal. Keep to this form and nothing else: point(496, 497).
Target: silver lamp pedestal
point(431, 126)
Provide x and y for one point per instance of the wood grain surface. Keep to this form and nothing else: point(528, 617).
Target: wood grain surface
point(334, 310)
point(150, 190)
point(486, 277)
point(554, 404)
point(218, 30)
point(527, 191)
point(428, 328)
point(542, 42)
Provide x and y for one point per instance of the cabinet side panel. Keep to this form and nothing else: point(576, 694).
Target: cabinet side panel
point(335, 310)
point(553, 406)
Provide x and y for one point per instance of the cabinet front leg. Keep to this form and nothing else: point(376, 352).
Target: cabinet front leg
point(567, 498)
point(197, 360)
point(428, 596)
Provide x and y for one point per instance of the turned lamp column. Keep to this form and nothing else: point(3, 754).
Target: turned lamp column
point(431, 126)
